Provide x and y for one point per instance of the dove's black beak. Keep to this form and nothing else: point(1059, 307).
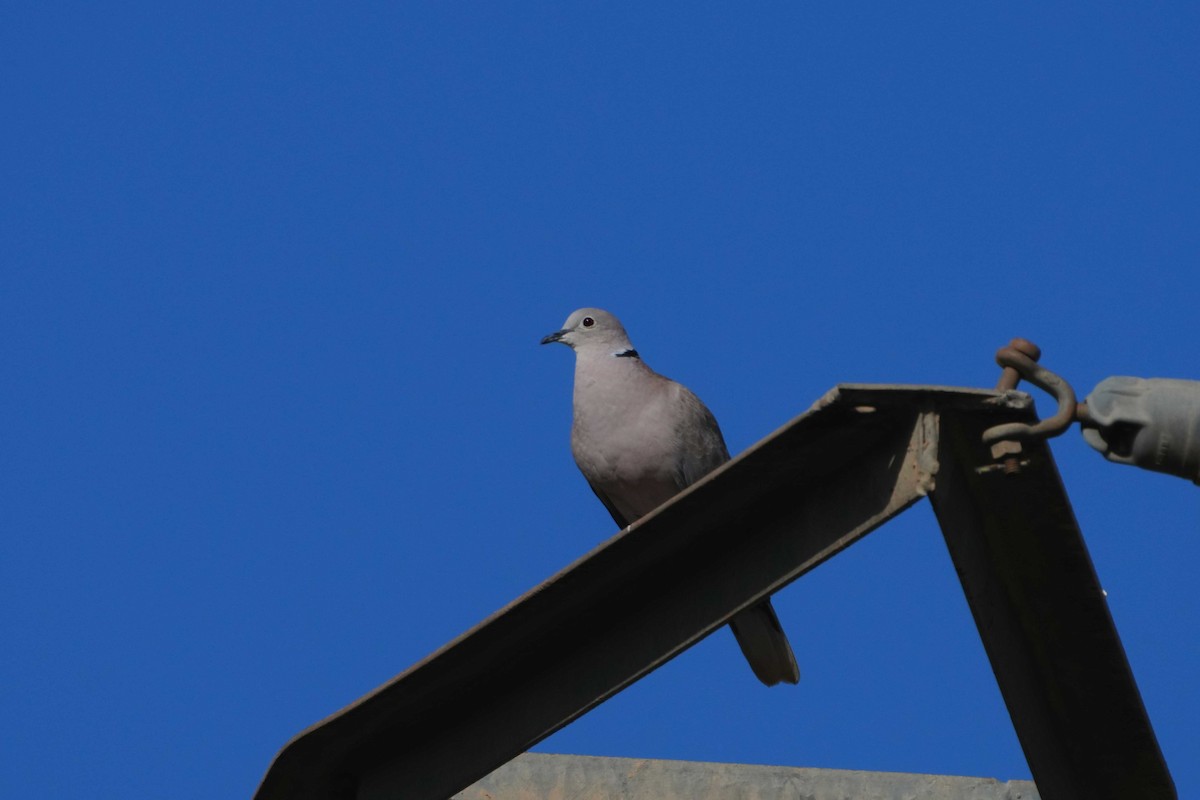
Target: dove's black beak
point(554, 337)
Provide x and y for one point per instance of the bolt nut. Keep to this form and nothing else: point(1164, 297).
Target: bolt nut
point(1004, 449)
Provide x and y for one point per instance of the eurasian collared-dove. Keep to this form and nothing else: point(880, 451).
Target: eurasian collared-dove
point(639, 439)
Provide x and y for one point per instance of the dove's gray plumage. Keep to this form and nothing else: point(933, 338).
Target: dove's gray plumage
point(639, 439)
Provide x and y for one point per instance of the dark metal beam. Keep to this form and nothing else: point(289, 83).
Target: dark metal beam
point(858, 457)
point(785, 505)
point(1044, 622)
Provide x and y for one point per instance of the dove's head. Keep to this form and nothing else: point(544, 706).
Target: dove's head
point(591, 329)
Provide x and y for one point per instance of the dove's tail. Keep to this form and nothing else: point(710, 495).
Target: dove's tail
point(765, 645)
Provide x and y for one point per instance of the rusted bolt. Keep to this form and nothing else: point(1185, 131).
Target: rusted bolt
point(1083, 415)
point(1009, 377)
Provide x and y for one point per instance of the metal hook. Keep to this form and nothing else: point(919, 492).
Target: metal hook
point(1019, 359)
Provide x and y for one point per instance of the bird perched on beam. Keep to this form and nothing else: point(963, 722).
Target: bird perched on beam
point(639, 439)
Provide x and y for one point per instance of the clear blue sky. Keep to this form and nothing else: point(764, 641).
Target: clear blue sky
point(275, 423)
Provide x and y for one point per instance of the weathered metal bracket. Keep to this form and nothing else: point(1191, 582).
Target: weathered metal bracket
point(860, 456)
point(1044, 622)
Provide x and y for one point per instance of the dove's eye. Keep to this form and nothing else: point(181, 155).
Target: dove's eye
point(588, 322)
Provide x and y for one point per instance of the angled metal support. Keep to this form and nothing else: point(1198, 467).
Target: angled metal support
point(1045, 624)
point(857, 458)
